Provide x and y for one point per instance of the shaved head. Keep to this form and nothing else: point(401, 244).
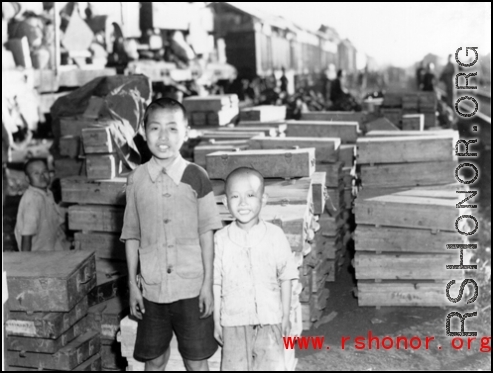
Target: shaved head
point(240, 173)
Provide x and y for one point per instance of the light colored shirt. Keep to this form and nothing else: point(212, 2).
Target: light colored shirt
point(39, 216)
point(250, 266)
point(167, 211)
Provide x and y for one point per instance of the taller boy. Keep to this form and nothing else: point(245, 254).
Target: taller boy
point(169, 221)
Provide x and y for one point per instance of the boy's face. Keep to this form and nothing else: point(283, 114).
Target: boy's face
point(38, 175)
point(166, 131)
point(244, 199)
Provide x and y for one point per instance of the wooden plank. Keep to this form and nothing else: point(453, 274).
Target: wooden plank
point(416, 174)
point(96, 218)
point(47, 346)
point(385, 239)
point(230, 135)
point(334, 116)
point(44, 324)
point(200, 151)
point(404, 266)
point(272, 131)
point(407, 149)
point(98, 140)
point(346, 131)
point(318, 192)
point(413, 122)
point(420, 294)
point(210, 103)
point(106, 245)
point(103, 166)
point(280, 125)
point(68, 358)
point(102, 192)
point(37, 281)
point(326, 149)
point(408, 212)
point(111, 281)
point(69, 146)
point(263, 113)
point(270, 163)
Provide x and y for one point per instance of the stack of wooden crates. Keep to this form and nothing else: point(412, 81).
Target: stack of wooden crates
point(217, 110)
point(405, 215)
point(48, 326)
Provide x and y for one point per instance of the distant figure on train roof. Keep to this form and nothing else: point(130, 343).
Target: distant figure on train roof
point(429, 80)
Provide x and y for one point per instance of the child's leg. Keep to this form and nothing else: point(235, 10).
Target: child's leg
point(154, 333)
point(195, 336)
point(268, 349)
point(237, 348)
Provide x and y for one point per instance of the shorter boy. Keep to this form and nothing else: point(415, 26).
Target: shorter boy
point(40, 220)
point(253, 269)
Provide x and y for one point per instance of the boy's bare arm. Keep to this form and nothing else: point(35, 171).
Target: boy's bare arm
point(26, 243)
point(286, 290)
point(218, 334)
point(136, 300)
point(206, 302)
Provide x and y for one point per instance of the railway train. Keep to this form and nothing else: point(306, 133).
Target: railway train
point(259, 44)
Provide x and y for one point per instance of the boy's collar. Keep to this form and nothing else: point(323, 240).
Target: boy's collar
point(174, 171)
point(256, 233)
point(39, 190)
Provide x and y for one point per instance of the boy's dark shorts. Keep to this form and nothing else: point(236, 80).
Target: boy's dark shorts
point(195, 335)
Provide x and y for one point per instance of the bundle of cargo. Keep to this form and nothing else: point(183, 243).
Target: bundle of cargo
point(47, 326)
point(401, 247)
point(216, 110)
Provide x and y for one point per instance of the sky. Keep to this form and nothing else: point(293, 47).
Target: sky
point(396, 33)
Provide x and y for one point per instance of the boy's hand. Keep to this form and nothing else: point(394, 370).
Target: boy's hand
point(286, 326)
point(218, 333)
point(136, 302)
point(206, 301)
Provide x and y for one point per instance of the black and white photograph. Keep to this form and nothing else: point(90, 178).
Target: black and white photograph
point(246, 186)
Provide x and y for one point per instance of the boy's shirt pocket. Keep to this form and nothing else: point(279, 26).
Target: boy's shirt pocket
point(187, 252)
point(150, 270)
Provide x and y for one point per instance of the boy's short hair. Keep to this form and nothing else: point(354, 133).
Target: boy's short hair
point(244, 171)
point(30, 161)
point(164, 103)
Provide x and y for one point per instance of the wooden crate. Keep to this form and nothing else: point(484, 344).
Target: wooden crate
point(84, 191)
point(318, 192)
point(415, 174)
point(96, 218)
point(73, 126)
point(93, 364)
point(326, 149)
point(66, 167)
point(37, 282)
point(406, 149)
point(106, 316)
point(268, 131)
point(230, 135)
point(413, 122)
point(270, 163)
point(98, 140)
point(111, 281)
point(403, 293)
point(388, 239)
point(69, 146)
point(200, 152)
point(347, 154)
point(111, 356)
point(103, 166)
point(106, 245)
point(410, 133)
point(333, 173)
point(346, 131)
point(263, 113)
point(68, 358)
point(210, 103)
point(407, 212)
point(280, 125)
point(393, 115)
point(380, 124)
point(48, 346)
point(44, 324)
point(404, 266)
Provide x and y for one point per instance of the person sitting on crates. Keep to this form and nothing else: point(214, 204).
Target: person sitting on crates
point(40, 221)
point(168, 227)
point(253, 269)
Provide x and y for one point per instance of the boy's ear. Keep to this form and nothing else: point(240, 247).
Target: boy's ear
point(265, 197)
point(225, 200)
